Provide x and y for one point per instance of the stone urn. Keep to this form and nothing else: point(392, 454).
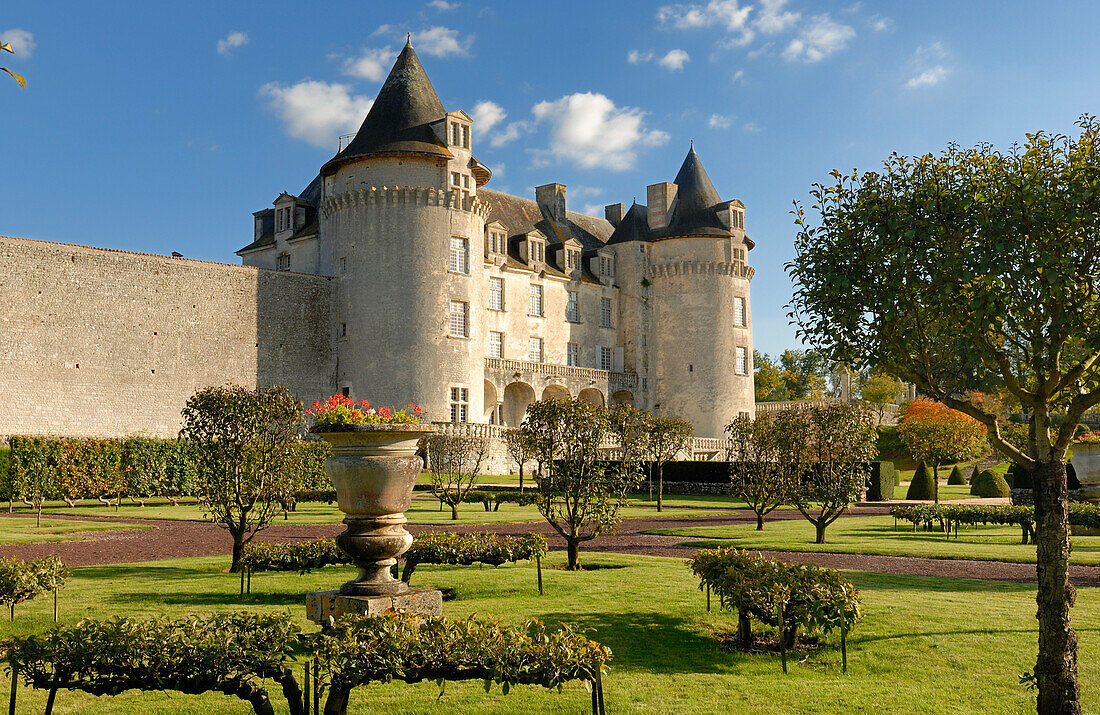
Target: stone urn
point(374, 468)
point(1086, 463)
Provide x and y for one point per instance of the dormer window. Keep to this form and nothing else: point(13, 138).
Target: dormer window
point(456, 135)
point(465, 137)
point(607, 266)
point(739, 255)
point(737, 219)
point(535, 252)
point(572, 260)
point(496, 242)
point(282, 262)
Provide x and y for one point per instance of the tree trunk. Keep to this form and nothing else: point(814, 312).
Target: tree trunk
point(454, 512)
point(572, 547)
point(660, 484)
point(238, 547)
point(1056, 666)
point(759, 521)
point(820, 526)
point(521, 477)
point(744, 629)
point(935, 483)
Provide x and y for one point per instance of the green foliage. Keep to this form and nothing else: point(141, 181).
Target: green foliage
point(444, 547)
point(23, 580)
point(478, 496)
point(880, 391)
point(989, 484)
point(923, 486)
point(804, 373)
point(802, 597)
point(397, 646)
point(230, 653)
point(956, 478)
point(518, 498)
point(881, 481)
point(302, 557)
point(34, 471)
point(759, 474)
point(1018, 477)
point(6, 491)
point(454, 462)
point(768, 379)
point(889, 444)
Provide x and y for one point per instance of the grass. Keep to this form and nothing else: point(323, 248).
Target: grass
point(926, 645)
point(22, 530)
point(947, 491)
point(876, 535)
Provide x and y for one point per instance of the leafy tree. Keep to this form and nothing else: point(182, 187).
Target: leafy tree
point(936, 434)
point(878, 391)
point(454, 462)
point(33, 465)
point(829, 445)
point(804, 373)
point(6, 47)
point(969, 268)
point(757, 471)
point(767, 378)
point(665, 438)
point(245, 444)
point(579, 493)
point(519, 449)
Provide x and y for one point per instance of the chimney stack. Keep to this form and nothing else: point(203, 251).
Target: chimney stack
point(551, 199)
point(659, 198)
point(613, 213)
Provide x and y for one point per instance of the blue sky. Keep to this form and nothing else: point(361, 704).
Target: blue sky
point(160, 127)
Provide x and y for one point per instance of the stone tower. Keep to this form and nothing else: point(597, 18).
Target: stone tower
point(403, 231)
point(685, 280)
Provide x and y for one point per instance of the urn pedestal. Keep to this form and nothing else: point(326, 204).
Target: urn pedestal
point(1086, 463)
point(373, 468)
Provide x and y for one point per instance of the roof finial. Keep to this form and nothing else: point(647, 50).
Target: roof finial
point(692, 147)
point(409, 41)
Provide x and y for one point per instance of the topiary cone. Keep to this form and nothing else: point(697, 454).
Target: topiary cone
point(989, 484)
point(923, 486)
point(973, 474)
point(956, 477)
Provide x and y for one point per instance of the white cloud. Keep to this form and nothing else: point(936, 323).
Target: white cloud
point(593, 210)
point(382, 30)
point(674, 60)
point(588, 130)
point(878, 23)
point(929, 77)
point(737, 76)
point(440, 41)
point(819, 39)
point(373, 64)
point(727, 15)
point(487, 115)
point(773, 19)
point(720, 121)
point(316, 112)
point(635, 57)
point(927, 68)
point(751, 127)
point(580, 192)
point(443, 5)
point(232, 41)
point(510, 133)
point(22, 42)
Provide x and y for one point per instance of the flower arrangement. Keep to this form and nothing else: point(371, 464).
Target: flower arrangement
point(1087, 438)
point(342, 410)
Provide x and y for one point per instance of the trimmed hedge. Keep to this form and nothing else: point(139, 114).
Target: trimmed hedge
point(881, 481)
point(23, 580)
point(302, 557)
point(445, 547)
point(1080, 514)
point(529, 498)
point(923, 487)
point(990, 484)
point(956, 478)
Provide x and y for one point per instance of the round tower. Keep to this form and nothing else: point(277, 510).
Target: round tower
point(699, 292)
point(403, 238)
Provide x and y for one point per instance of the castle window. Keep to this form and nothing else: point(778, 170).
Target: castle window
point(496, 344)
point(572, 355)
point(607, 266)
point(496, 242)
point(465, 136)
point(460, 255)
point(345, 391)
point(344, 265)
point(465, 181)
point(534, 350)
point(343, 330)
point(460, 312)
point(737, 219)
point(741, 361)
point(455, 133)
point(572, 308)
point(739, 312)
point(496, 293)
point(535, 307)
point(456, 178)
point(460, 404)
point(605, 312)
point(282, 262)
point(603, 356)
point(535, 252)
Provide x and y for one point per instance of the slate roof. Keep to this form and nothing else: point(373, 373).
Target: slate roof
point(633, 227)
point(399, 121)
point(309, 198)
point(521, 215)
point(693, 212)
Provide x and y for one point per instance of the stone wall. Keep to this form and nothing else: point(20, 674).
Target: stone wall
point(99, 342)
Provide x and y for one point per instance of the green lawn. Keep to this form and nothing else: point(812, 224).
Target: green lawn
point(927, 645)
point(22, 530)
point(947, 491)
point(876, 535)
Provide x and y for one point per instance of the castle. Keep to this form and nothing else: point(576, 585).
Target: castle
point(397, 275)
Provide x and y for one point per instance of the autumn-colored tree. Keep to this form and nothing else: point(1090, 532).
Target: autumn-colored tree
point(767, 378)
point(937, 434)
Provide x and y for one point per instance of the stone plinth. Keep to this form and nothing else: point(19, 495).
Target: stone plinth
point(320, 605)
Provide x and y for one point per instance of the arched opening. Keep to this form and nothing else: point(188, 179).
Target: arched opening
point(623, 397)
point(592, 395)
point(517, 396)
point(491, 412)
point(555, 392)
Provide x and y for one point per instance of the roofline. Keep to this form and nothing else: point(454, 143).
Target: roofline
point(334, 164)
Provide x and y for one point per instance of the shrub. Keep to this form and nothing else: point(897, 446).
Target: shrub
point(973, 473)
point(477, 496)
point(5, 474)
point(518, 498)
point(956, 478)
point(444, 547)
point(23, 580)
point(881, 481)
point(889, 443)
point(301, 557)
point(989, 484)
point(923, 487)
point(1018, 477)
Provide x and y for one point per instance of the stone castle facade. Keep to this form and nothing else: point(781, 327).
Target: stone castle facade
point(397, 275)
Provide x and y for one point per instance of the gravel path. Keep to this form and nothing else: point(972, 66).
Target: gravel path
point(177, 539)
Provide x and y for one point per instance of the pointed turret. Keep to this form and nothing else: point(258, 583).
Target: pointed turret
point(696, 201)
point(399, 121)
point(633, 227)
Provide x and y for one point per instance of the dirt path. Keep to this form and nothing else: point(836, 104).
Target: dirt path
point(178, 539)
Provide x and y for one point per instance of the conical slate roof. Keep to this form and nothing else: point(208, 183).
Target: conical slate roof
point(696, 198)
point(633, 227)
point(399, 120)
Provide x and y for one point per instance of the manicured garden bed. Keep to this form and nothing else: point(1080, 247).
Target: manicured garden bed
point(24, 531)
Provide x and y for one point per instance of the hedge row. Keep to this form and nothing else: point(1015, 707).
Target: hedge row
point(303, 557)
point(236, 653)
point(791, 597)
point(23, 580)
point(445, 547)
point(951, 515)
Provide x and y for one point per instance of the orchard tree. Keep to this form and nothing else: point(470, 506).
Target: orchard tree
point(665, 438)
point(245, 451)
point(519, 449)
point(758, 473)
point(879, 391)
point(455, 462)
point(579, 493)
point(936, 434)
point(969, 268)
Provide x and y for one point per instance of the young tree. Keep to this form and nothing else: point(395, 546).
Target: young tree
point(804, 373)
point(6, 47)
point(879, 391)
point(579, 493)
point(245, 445)
point(975, 267)
point(665, 438)
point(829, 445)
point(454, 462)
point(757, 472)
point(936, 434)
point(767, 378)
point(519, 449)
